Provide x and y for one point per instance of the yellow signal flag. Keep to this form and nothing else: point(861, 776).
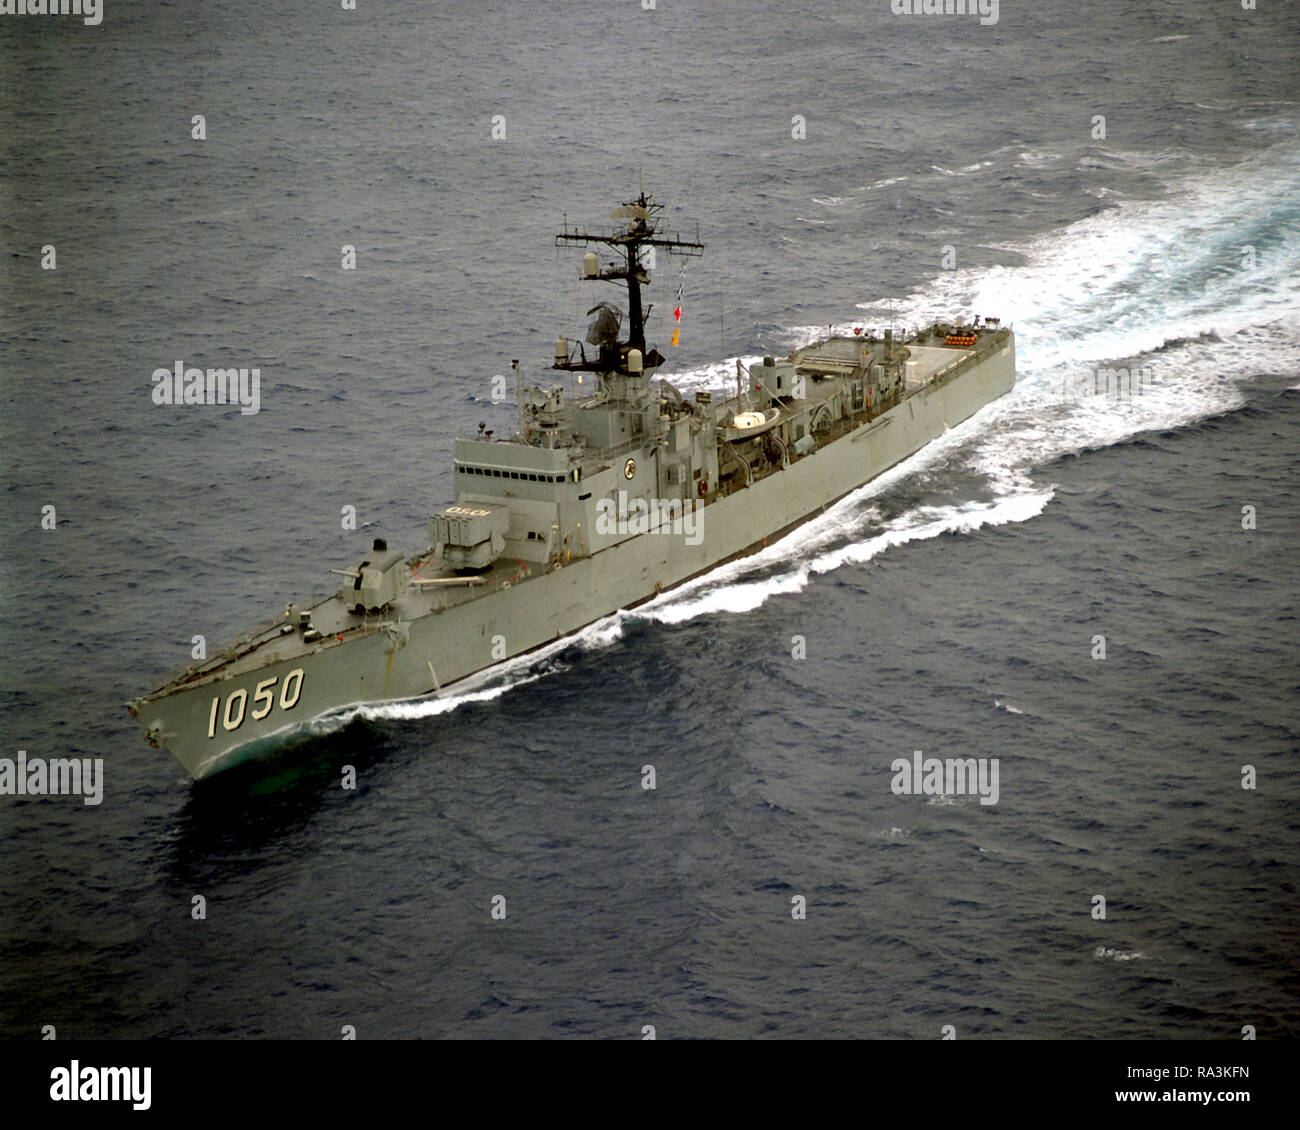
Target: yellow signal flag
point(675, 332)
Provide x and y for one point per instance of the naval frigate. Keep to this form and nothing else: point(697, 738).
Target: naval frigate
point(612, 490)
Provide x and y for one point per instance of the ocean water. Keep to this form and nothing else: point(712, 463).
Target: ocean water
point(953, 606)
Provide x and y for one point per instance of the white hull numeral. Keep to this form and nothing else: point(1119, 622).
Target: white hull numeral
point(263, 692)
point(295, 677)
point(263, 702)
point(234, 723)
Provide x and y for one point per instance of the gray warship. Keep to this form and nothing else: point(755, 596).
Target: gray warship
point(606, 496)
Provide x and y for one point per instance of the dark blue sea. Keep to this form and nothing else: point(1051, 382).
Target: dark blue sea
point(845, 166)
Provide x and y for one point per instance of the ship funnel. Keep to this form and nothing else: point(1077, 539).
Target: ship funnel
point(590, 265)
point(634, 361)
point(561, 351)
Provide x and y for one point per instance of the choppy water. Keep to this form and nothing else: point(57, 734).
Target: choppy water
point(949, 607)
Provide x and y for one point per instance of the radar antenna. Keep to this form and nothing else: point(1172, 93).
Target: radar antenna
point(642, 230)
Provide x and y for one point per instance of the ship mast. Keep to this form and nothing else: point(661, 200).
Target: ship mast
point(642, 231)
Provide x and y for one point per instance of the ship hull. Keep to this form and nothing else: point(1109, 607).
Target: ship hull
point(435, 651)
